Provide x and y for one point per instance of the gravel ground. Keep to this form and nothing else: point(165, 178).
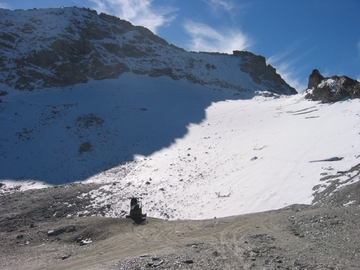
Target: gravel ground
point(41, 229)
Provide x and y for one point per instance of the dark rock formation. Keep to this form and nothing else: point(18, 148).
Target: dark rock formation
point(261, 73)
point(331, 89)
point(315, 79)
point(81, 47)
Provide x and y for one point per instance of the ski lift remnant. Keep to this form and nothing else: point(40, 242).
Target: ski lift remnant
point(136, 211)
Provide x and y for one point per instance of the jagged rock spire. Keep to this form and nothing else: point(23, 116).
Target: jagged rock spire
point(314, 79)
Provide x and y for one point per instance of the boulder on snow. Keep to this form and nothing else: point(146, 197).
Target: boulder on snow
point(331, 89)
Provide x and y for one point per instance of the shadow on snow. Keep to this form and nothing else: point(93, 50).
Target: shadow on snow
point(64, 135)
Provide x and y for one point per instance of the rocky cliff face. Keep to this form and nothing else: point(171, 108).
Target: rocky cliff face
point(66, 46)
point(331, 89)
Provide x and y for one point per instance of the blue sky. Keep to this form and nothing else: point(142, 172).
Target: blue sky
point(294, 36)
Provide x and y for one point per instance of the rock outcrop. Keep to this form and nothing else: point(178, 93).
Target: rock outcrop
point(315, 79)
point(42, 48)
point(331, 89)
point(262, 73)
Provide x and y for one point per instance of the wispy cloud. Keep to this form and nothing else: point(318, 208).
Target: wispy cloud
point(279, 57)
point(138, 12)
point(232, 7)
point(205, 38)
point(224, 39)
point(286, 65)
point(358, 48)
point(290, 75)
point(221, 4)
point(3, 5)
point(287, 70)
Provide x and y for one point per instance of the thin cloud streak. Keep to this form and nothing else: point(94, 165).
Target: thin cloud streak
point(278, 57)
point(3, 5)
point(286, 68)
point(229, 7)
point(138, 12)
point(205, 38)
point(287, 71)
point(221, 4)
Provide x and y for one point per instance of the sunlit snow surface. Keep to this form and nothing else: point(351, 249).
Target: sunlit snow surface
point(244, 155)
point(253, 153)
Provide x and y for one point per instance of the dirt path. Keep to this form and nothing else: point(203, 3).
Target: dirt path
point(297, 237)
point(268, 240)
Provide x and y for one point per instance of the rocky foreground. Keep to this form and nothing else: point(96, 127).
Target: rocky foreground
point(42, 229)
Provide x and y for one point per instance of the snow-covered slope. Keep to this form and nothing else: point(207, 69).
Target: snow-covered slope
point(61, 135)
point(189, 152)
point(245, 156)
point(196, 135)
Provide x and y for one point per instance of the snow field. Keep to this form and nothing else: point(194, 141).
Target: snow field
point(247, 156)
point(189, 152)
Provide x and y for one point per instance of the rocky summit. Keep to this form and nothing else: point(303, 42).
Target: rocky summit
point(331, 89)
point(65, 46)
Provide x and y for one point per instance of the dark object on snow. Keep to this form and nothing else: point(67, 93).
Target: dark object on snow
point(136, 211)
point(328, 159)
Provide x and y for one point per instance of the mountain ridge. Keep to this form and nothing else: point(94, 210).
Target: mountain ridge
point(65, 46)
